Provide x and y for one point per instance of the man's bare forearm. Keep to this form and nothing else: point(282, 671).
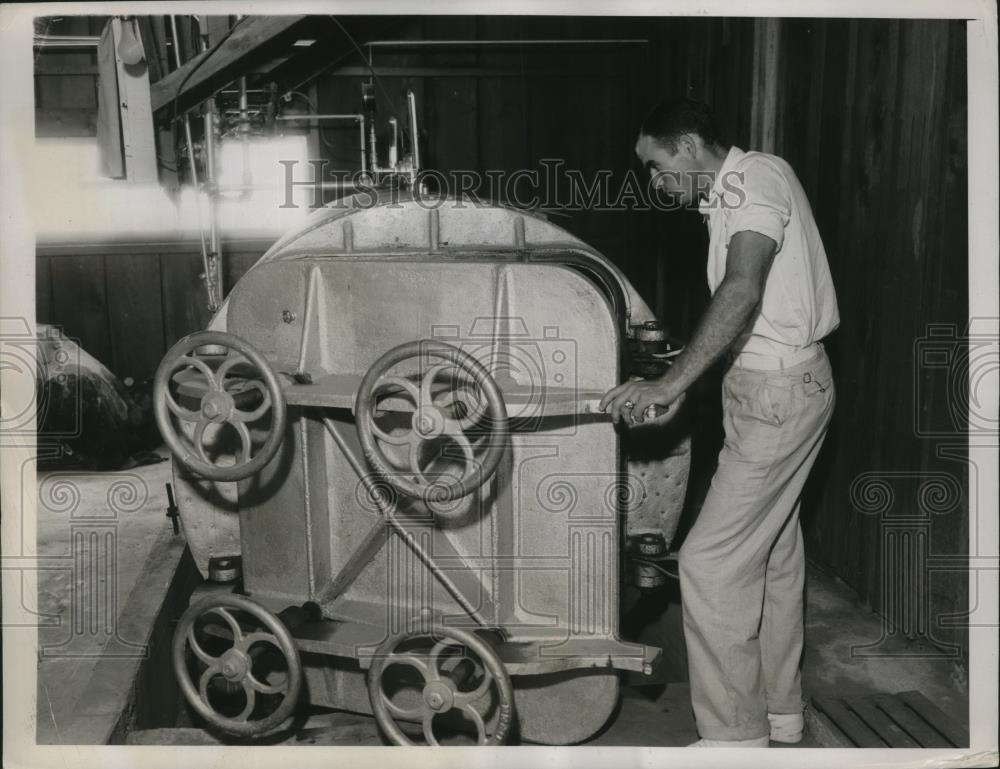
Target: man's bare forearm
point(728, 314)
point(733, 305)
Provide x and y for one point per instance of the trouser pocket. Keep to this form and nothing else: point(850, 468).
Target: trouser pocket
point(817, 383)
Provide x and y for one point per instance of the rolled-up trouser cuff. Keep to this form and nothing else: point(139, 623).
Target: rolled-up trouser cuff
point(750, 731)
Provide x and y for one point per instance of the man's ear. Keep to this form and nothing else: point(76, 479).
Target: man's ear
point(688, 145)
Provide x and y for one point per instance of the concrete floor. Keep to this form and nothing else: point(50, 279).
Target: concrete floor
point(108, 552)
point(106, 555)
point(837, 629)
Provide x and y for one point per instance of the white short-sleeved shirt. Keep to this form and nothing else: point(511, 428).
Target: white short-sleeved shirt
point(760, 192)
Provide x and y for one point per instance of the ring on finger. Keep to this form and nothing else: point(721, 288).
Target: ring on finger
point(629, 405)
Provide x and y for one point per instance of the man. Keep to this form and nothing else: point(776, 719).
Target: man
point(742, 566)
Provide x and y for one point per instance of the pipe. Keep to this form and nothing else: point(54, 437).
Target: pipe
point(244, 122)
point(364, 152)
point(215, 249)
point(320, 117)
point(373, 156)
point(321, 185)
point(430, 43)
point(394, 146)
point(411, 105)
point(359, 118)
point(244, 130)
point(206, 264)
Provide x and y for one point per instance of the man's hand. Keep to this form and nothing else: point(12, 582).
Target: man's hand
point(634, 401)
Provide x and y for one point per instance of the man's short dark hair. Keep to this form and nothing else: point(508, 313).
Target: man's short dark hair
point(672, 118)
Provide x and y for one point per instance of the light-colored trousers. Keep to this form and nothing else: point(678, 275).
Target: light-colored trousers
point(742, 566)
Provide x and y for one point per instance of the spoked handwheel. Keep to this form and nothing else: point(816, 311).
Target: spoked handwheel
point(447, 678)
point(241, 680)
point(237, 390)
point(454, 408)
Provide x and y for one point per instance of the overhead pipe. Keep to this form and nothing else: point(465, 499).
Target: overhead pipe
point(419, 43)
point(306, 116)
point(359, 118)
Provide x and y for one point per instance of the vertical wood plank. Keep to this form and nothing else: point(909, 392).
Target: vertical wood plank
point(44, 306)
point(503, 111)
point(882, 94)
point(185, 304)
point(236, 266)
point(135, 314)
point(451, 103)
point(80, 302)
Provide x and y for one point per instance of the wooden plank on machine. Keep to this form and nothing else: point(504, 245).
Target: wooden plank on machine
point(254, 39)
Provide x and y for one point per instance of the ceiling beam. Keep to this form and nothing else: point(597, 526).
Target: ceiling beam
point(332, 47)
point(256, 39)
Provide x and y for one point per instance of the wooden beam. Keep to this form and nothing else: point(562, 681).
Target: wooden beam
point(138, 138)
point(254, 40)
point(215, 28)
point(150, 48)
point(362, 71)
point(332, 46)
point(764, 115)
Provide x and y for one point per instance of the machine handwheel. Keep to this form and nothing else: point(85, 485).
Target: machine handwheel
point(448, 414)
point(235, 666)
point(218, 390)
point(455, 671)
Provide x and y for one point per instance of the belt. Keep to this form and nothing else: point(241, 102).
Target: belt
point(765, 362)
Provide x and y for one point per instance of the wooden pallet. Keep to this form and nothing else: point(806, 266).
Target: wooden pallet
point(904, 720)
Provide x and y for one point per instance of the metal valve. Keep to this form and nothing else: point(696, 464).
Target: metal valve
point(647, 574)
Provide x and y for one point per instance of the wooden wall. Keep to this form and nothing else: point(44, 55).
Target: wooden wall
point(871, 114)
point(66, 80)
point(577, 104)
point(873, 117)
point(127, 303)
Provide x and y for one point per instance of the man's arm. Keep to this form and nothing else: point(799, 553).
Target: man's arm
point(733, 305)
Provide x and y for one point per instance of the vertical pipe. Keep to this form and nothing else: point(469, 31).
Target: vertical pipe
point(364, 154)
point(373, 151)
point(394, 144)
point(411, 103)
point(205, 261)
point(245, 131)
point(215, 251)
